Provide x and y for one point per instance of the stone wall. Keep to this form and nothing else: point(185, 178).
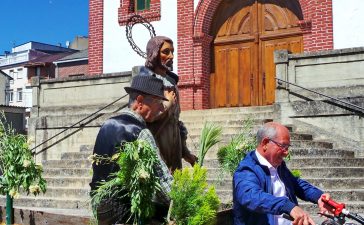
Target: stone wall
point(73, 102)
point(336, 73)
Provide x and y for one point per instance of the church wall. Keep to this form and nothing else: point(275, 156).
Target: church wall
point(348, 25)
point(117, 53)
point(327, 24)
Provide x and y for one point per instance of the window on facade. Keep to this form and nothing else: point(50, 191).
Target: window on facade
point(19, 95)
point(142, 5)
point(20, 73)
point(37, 71)
point(9, 96)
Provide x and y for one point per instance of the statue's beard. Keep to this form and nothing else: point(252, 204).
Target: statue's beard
point(168, 65)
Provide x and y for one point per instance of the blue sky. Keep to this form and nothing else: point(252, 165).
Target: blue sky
point(46, 21)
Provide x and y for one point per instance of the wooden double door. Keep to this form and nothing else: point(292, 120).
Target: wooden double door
point(246, 35)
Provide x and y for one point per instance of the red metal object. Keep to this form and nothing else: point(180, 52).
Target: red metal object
point(337, 208)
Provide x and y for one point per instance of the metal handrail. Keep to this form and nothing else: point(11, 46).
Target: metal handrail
point(319, 93)
point(80, 127)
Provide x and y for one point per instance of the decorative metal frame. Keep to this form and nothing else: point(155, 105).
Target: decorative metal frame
point(135, 19)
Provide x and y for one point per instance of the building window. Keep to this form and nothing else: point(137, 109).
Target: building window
point(19, 95)
point(37, 71)
point(20, 73)
point(149, 9)
point(9, 96)
point(142, 5)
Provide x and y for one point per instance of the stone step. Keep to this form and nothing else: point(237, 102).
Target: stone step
point(236, 124)
point(323, 152)
point(340, 183)
point(350, 195)
point(226, 117)
point(322, 183)
point(69, 172)
point(193, 144)
point(27, 201)
point(81, 164)
point(228, 135)
point(66, 193)
point(68, 182)
point(76, 155)
point(332, 172)
point(227, 131)
point(300, 153)
point(232, 110)
point(335, 162)
point(313, 172)
point(304, 162)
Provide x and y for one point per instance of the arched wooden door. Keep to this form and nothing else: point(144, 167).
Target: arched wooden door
point(246, 35)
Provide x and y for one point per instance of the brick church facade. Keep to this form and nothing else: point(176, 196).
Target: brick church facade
point(224, 48)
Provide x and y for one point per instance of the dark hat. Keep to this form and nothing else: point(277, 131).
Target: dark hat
point(147, 84)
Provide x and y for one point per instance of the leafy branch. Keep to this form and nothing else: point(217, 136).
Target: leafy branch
point(19, 171)
point(210, 136)
point(194, 201)
point(136, 179)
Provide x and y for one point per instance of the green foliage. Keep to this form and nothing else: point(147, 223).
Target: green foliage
point(210, 136)
point(136, 176)
point(296, 173)
point(194, 201)
point(20, 173)
point(230, 155)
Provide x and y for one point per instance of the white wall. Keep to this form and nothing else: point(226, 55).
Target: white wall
point(117, 54)
point(348, 24)
point(20, 81)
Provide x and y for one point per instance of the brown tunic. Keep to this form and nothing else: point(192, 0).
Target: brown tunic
point(167, 132)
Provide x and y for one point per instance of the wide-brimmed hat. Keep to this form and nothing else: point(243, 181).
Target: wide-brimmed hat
point(147, 84)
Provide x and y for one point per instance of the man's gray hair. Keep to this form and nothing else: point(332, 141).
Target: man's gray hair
point(267, 130)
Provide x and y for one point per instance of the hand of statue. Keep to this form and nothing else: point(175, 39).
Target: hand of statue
point(301, 217)
point(191, 159)
point(171, 96)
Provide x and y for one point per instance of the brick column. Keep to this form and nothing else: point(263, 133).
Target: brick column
point(317, 25)
point(96, 37)
point(185, 13)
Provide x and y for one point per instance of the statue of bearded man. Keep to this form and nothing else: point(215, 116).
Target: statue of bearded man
point(168, 131)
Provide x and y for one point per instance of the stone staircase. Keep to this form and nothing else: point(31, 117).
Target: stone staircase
point(335, 170)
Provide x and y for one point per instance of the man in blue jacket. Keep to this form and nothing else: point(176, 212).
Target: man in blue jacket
point(264, 188)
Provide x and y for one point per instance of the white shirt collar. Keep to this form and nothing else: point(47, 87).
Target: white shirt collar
point(263, 160)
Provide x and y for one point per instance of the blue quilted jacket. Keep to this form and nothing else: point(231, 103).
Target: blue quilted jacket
point(253, 201)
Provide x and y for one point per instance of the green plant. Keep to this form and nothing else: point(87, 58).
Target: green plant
point(210, 136)
point(19, 171)
point(231, 154)
point(194, 201)
point(296, 173)
point(136, 176)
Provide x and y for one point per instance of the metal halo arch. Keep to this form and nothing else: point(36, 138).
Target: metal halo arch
point(137, 19)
